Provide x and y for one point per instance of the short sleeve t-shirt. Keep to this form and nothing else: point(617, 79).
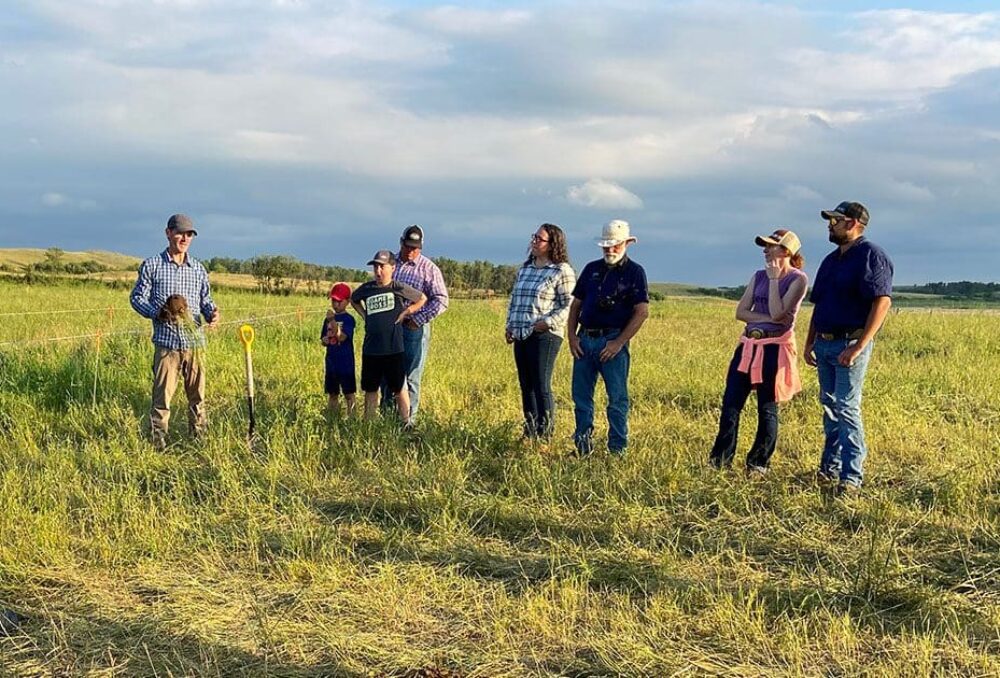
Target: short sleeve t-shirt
point(340, 357)
point(383, 336)
point(847, 284)
point(609, 294)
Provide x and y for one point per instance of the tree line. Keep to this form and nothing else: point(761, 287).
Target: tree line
point(283, 274)
point(964, 289)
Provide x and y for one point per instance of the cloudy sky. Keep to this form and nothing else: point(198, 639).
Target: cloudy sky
point(321, 128)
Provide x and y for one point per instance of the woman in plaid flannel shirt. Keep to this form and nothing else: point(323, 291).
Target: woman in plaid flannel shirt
point(536, 324)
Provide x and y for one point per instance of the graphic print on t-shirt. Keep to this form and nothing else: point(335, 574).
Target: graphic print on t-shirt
point(379, 303)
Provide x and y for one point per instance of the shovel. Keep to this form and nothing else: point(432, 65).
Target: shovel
point(246, 337)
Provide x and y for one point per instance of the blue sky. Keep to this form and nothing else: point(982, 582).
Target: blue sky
point(321, 129)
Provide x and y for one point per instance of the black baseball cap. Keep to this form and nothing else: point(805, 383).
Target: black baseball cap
point(851, 210)
point(383, 257)
point(413, 236)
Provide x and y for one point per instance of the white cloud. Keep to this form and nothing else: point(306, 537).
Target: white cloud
point(907, 191)
point(52, 199)
point(465, 21)
point(354, 87)
point(603, 195)
point(797, 192)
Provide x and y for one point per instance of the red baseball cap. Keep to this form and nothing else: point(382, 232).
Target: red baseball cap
point(340, 291)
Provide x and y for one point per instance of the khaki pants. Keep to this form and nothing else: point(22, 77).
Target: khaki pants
point(168, 364)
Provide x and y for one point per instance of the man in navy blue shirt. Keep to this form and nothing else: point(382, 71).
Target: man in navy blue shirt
point(852, 294)
point(610, 304)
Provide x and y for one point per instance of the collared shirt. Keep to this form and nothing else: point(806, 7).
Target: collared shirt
point(847, 284)
point(540, 293)
point(424, 275)
point(160, 277)
point(609, 294)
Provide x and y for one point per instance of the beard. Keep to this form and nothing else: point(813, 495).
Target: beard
point(839, 239)
point(611, 258)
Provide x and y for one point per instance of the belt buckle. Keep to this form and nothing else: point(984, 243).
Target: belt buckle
point(756, 334)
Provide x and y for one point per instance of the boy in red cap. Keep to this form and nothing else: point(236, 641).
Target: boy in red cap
point(338, 337)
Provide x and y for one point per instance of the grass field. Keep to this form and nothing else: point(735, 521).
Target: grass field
point(346, 548)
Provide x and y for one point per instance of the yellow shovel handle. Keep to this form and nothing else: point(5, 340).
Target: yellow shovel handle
point(246, 336)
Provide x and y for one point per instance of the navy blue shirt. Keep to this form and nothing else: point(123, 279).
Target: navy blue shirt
point(846, 285)
point(609, 294)
point(340, 357)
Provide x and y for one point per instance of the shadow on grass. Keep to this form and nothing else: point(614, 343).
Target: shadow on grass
point(521, 552)
point(81, 641)
point(499, 559)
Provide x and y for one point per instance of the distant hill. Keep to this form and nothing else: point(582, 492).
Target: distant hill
point(112, 261)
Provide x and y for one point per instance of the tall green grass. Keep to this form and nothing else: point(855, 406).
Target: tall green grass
point(347, 548)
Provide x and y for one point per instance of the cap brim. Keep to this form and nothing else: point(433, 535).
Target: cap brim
point(764, 241)
point(612, 243)
point(831, 214)
point(413, 243)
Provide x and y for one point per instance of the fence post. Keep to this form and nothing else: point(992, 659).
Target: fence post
point(97, 367)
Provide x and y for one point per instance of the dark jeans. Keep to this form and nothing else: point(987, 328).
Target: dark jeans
point(738, 389)
point(535, 358)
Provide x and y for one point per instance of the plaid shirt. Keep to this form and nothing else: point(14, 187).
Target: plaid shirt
point(159, 277)
point(540, 294)
point(425, 276)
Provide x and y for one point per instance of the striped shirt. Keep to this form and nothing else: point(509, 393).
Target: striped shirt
point(160, 277)
point(425, 276)
point(541, 294)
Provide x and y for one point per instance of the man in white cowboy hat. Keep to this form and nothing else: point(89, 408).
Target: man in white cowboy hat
point(610, 303)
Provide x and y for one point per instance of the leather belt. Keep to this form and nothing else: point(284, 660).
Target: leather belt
point(846, 334)
point(763, 334)
point(598, 331)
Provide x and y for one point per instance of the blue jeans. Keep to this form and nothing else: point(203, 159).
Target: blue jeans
point(738, 389)
point(535, 358)
point(615, 375)
point(844, 450)
point(415, 344)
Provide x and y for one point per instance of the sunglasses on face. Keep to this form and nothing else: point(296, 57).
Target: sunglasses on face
point(537, 238)
point(836, 220)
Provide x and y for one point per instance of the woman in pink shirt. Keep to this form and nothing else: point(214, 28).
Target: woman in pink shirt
point(766, 358)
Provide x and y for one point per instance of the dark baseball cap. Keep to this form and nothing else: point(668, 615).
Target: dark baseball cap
point(181, 223)
point(383, 257)
point(413, 236)
point(851, 210)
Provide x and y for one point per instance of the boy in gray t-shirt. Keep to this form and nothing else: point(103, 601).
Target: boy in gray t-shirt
point(380, 303)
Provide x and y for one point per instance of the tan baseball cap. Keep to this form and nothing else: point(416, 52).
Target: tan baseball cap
point(788, 240)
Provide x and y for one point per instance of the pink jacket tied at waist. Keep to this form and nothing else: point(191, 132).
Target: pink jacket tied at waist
point(786, 382)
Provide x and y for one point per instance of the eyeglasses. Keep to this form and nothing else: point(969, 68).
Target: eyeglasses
point(537, 238)
point(836, 220)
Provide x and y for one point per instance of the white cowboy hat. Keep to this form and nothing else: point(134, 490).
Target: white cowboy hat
point(615, 231)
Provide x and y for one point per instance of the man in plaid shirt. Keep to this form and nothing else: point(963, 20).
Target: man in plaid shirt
point(417, 271)
point(177, 341)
